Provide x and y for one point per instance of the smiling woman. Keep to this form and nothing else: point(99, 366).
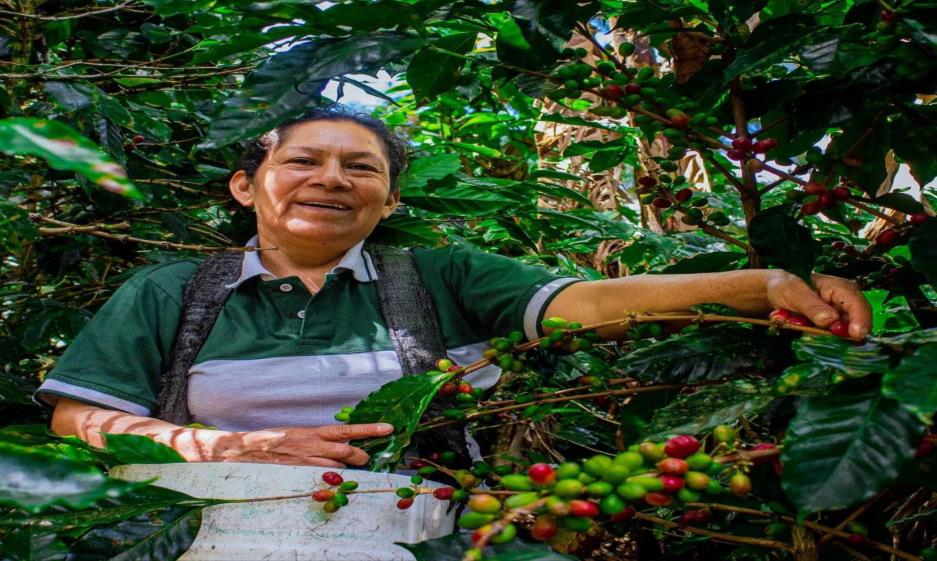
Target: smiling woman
point(307, 326)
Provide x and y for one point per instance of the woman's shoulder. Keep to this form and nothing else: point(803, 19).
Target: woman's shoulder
point(167, 277)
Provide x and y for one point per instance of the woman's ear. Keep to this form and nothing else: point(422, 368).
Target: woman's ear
point(240, 187)
point(393, 199)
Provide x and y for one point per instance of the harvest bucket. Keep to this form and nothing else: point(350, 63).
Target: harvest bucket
point(296, 529)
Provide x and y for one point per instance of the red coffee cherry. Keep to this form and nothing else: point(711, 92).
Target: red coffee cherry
point(841, 193)
point(404, 504)
point(814, 188)
point(647, 181)
point(681, 446)
point(544, 527)
point(887, 238)
point(332, 478)
point(323, 495)
point(658, 499)
point(765, 145)
point(840, 328)
point(613, 92)
point(444, 493)
point(918, 218)
point(672, 483)
point(673, 466)
point(683, 195)
point(742, 143)
point(583, 509)
point(542, 474)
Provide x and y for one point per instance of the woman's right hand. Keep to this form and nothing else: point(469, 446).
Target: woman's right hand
point(325, 446)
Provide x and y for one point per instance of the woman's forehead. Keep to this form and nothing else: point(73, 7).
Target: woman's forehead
point(346, 136)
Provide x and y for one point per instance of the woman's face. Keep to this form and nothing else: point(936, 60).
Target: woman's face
point(326, 183)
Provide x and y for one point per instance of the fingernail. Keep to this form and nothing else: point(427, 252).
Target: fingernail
point(824, 316)
point(386, 427)
point(860, 331)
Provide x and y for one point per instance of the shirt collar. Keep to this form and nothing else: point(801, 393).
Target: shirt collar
point(355, 260)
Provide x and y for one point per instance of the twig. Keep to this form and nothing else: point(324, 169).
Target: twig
point(75, 16)
point(812, 525)
point(759, 542)
point(852, 516)
point(874, 212)
point(98, 230)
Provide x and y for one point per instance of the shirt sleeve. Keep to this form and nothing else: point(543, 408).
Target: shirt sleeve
point(499, 293)
point(117, 359)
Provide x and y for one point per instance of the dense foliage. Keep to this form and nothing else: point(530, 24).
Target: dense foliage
point(598, 138)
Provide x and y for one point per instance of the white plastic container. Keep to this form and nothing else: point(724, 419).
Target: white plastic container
point(296, 529)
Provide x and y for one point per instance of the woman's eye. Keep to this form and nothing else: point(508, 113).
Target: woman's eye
point(366, 167)
point(303, 161)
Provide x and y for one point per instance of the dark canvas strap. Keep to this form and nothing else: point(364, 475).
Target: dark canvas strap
point(204, 296)
point(412, 323)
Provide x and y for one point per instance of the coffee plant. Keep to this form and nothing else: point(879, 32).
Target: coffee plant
point(598, 138)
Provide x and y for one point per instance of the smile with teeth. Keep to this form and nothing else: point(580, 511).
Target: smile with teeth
point(332, 206)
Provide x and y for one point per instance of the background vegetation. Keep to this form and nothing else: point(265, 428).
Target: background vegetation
point(598, 138)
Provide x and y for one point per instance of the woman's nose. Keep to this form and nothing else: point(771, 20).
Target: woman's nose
point(331, 175)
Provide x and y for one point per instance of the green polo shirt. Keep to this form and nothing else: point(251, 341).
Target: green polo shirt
point(279, 356)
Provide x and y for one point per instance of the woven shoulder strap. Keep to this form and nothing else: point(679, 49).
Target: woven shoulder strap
point(413, 327)
point(204, 296)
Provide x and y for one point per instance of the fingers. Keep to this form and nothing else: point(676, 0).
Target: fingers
point(344, 433)
point(804, 300)
point(844, 295)
point(340, 452)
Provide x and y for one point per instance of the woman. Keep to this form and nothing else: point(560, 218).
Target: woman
point(301, 334)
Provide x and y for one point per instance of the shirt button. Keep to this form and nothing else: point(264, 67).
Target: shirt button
point(301, 314)
point(286, 287)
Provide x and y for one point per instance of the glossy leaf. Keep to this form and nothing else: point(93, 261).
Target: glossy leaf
point(158, 535)
point(422, 170)
point(782, 242)
point(913, 383)
point(707, 354)
point(852, 360)
point(698, 412)
point(34, 479)
point(459, 200)
point(842, 448)
point(401, 403)
point(63, 148)
point(136, 449)
point(432, 72)
point(291, 82)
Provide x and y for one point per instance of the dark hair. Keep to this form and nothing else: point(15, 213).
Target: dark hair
point(395, 148)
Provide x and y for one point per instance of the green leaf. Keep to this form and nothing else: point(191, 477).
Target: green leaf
point(136, 449)
point(403, 230)
point(458, 200)
point(401, 403)
point(901, 202)
point(706, 354)
point(841, 449)
point(454, 546)
point(421, 170)
point(290, 82)
point(431, 72)
point(107, 511)
point(782, 242)
point(923, 247)
point(35, 479)
point(698, 412)
point(15, 227)
point(913, 383)
point(63, 148)
point(853, 360)
point(157, 535)
point(769, 43)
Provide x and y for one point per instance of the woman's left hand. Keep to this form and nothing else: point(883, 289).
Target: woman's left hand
point(833, 299)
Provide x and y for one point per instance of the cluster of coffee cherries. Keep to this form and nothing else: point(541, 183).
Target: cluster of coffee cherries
point(839, 328)
point(890, 237)
point(815, 197)
point(664, 191)
point(743, 147)
point(336, 496)
point(134, 142)
point(562, 339)
point(573, 495)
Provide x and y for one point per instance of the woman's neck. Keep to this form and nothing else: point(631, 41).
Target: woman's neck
point(309, 265)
